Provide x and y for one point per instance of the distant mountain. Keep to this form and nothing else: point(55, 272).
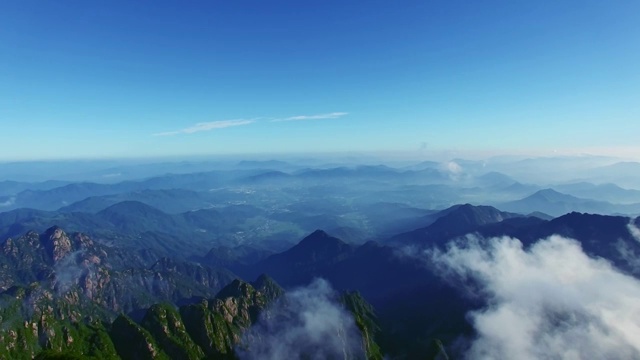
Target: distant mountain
point(139, 225)
point(348, 172)
point(540, 215)
point(171, 201)
point(520, 189)
point(388, 219)
point(106, 171)
point(376, 173)
point(268, 177)
point(314, 255)
point(604, 192)
point(467, 216)
point(125, 214)
point(541, 170)
point(423, 165)
point(266, 165)
point(200, 181)
point(92, 204)
point(54, 198)
point(501, 187)
point(622, 173)
point(8, 187)
point(494, 179)
point(455, 221)
point(555, 203)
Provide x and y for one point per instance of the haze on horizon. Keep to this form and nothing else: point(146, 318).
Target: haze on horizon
point(439, 79)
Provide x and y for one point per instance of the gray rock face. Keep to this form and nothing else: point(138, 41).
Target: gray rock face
point(58, 244)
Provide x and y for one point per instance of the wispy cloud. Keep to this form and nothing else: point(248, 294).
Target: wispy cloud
point(10, 201)
point(213, 125)
point(208, 126)
point(634, 230)
point(333, 115)
point(308, 323)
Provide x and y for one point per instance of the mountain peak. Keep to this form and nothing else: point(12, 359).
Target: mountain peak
point(269, 287)
point(550, 195)
point(317, 235)
point(466, 216)
point(54, 232)
point(317, 249)
point(237, 288)
point(263, 280)
point(319, 239)
point(476, 211)
point(57, 243)
point(494, 178)
point(466, 208)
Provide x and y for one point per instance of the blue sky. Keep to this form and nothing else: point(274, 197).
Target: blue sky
point(83, 79)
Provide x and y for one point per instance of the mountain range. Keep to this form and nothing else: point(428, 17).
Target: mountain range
point(74, 278)
point(166, 266)
point(554, 203)
point(65, 294)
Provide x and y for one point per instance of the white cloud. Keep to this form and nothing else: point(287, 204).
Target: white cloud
point(333, 115)
point(308, 323)
point(9, 202)
point(453, 169)
point(551, 301)
point(207, 126)
point(628, 255)
point(213, 125)
point(634, 230)
point(69, 270)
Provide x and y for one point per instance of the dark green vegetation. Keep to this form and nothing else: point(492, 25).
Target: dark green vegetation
point(210, 328)
point(78, 290)
point(366, 321)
